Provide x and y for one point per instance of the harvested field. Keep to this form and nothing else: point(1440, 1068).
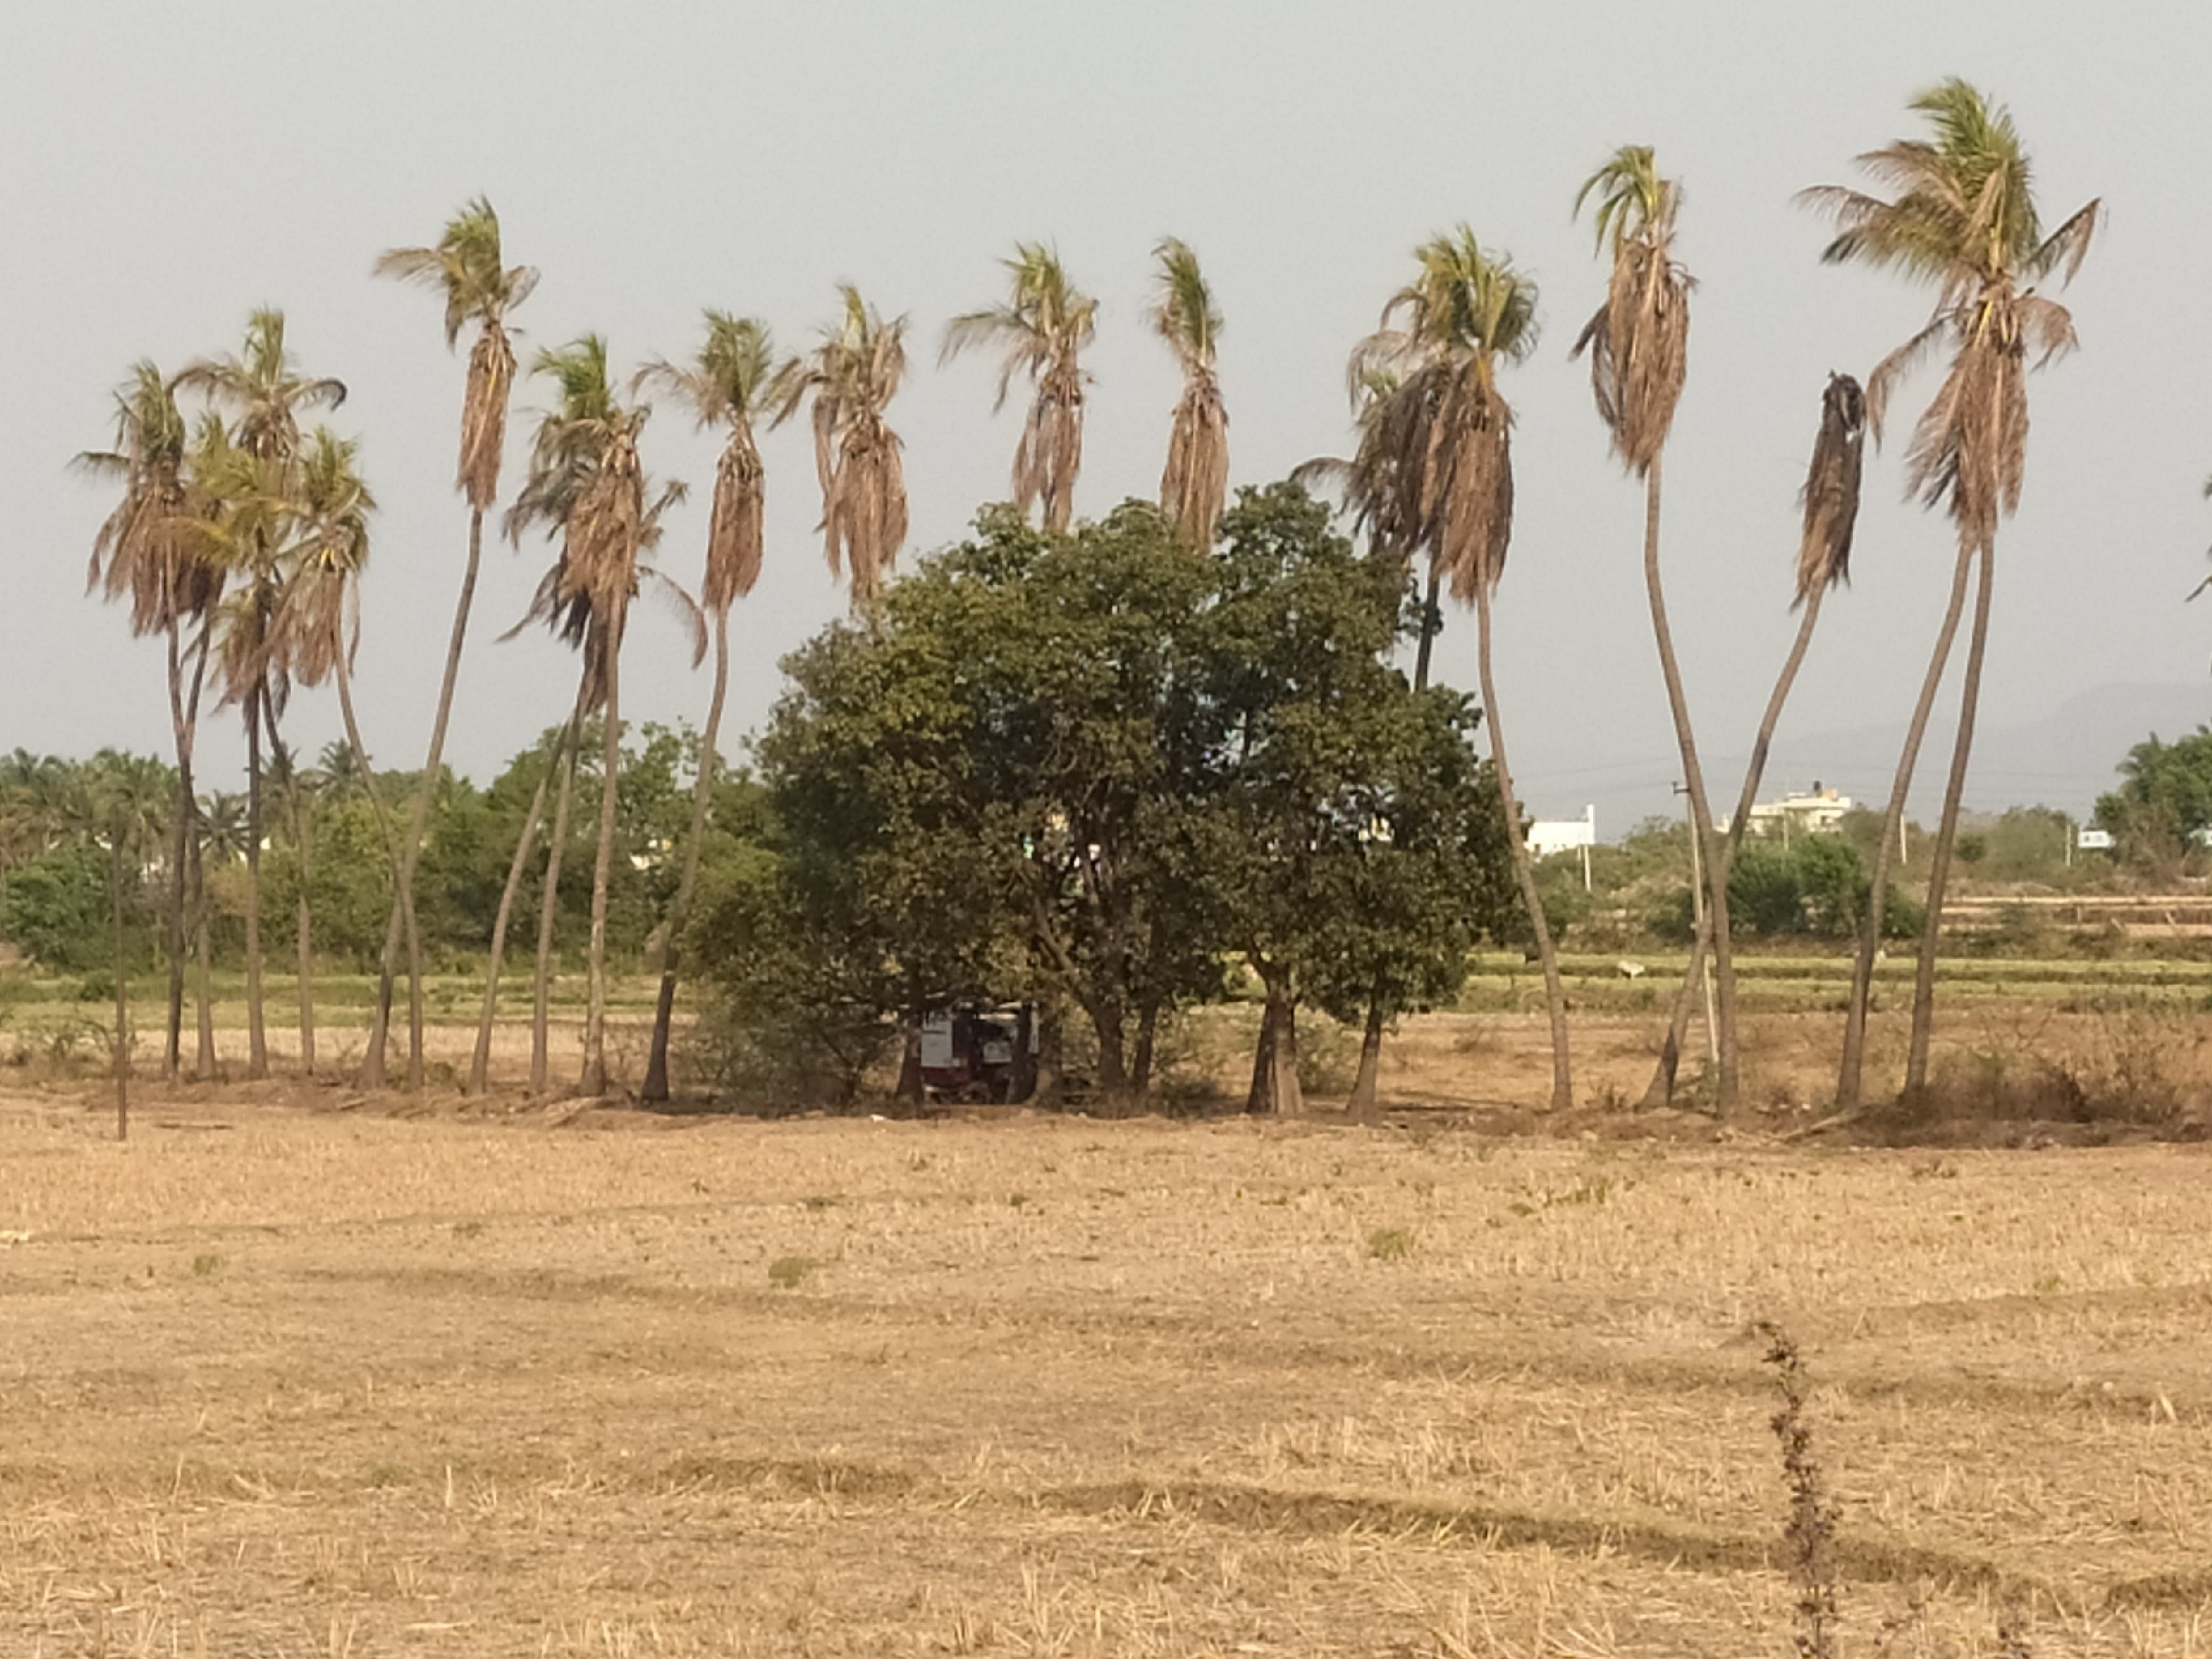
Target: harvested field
point(289, 1382)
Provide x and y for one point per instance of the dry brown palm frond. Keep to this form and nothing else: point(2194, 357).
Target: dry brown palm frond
point(735, 538)
point(484, 414)
point(1195, 482)
point(851, 377)
point(1830, 495)
point(1638, 342)
point(1471, 502)
point(1044, 327)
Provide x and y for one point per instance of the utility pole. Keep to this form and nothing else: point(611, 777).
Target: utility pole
point(1698, 919)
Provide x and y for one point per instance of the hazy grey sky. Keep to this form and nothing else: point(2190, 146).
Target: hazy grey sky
point(170, 167)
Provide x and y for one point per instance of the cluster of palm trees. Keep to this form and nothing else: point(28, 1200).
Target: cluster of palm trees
point(239, 539)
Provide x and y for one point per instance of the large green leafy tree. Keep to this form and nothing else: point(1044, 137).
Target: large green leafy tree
point(1962, 217)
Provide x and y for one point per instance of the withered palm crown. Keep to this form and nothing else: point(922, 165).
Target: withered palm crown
point(1195, 482)
point(263, 389)
point(1044, 326)
point(725, 386)
point(1830, 495)
point(588, 486)
point(1639, 340)
point(850, 378)
point(467, 266)
point(242, 511)
point(145, 548)
point(318, 619)
point(1962, 215)
point(1442, 433)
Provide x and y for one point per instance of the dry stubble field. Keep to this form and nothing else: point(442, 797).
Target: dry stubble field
point(274, 1381)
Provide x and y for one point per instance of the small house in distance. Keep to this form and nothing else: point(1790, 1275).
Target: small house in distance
point(1577, 835)
point(1816, 811)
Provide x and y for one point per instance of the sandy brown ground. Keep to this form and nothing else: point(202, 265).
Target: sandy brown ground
point(283, 1382)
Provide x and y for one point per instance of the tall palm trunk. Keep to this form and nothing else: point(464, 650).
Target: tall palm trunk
point(594, 1081)
point(1662, 1090)
point(204, 1061)
point(402, 905)
point(368, 785)
point(303, 920)
point(480, 1065)
point(173, 1050)
point(256, 1038)
point(1939, 867)
point(1694, 778)
point(656, 1070)
point(1524, 869)
point(1854, 1016)
point(122, 988)
point(1432, 623)
point(549, 905)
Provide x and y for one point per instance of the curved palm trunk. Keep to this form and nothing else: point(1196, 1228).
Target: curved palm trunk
point(122, 988)
point(1662, 1090)
point(549, 905)
point(1524, 870)
point(1694, 778)
point(368, 786)
point(402, 905)
point(594, 1081)
point(656, 1070)
point(1849, 1074)
point(480, 1063)
point(1939, 868)
point(256, 1038)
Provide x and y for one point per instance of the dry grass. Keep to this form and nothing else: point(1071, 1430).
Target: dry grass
point(280, 1382)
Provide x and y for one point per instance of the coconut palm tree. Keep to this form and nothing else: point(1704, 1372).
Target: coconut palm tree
point(1638, 348)
point(1830, 501)
point(850, 379)
point(318, 633)
point(1962, 216)
point(724, 385)
point(1447, 431)
point(1044, 326)
point(144, 551)
point(1196, 480)
point(587, 482)
point(263, 392)
point(467, 267)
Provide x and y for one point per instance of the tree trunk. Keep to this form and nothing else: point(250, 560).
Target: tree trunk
point(368, 786)
point(204, 1060)
point(594, 1081)
point(1432, 623)
point(1854, 1016)
point(1694, 779)
point(1524, 871)
point(656, 1069)
point(1026, 1062)
point(403, 901)
point(122, 987)
point(1147, 1045)
point(1113, 1069)
point(1049, 1091)
point(256, 1038)
point(172, 1049)
point(303, 922)
point(1361, 1106)
point(480, 1066)
point(1662, 1090)
point(908, 1092)
point(1275, 1091)
point(1939, 866)
point(549, 906)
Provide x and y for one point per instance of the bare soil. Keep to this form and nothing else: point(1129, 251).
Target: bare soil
point(280, 1380)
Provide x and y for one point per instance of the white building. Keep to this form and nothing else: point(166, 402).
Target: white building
point(1814, 811)
point(1550, 835)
